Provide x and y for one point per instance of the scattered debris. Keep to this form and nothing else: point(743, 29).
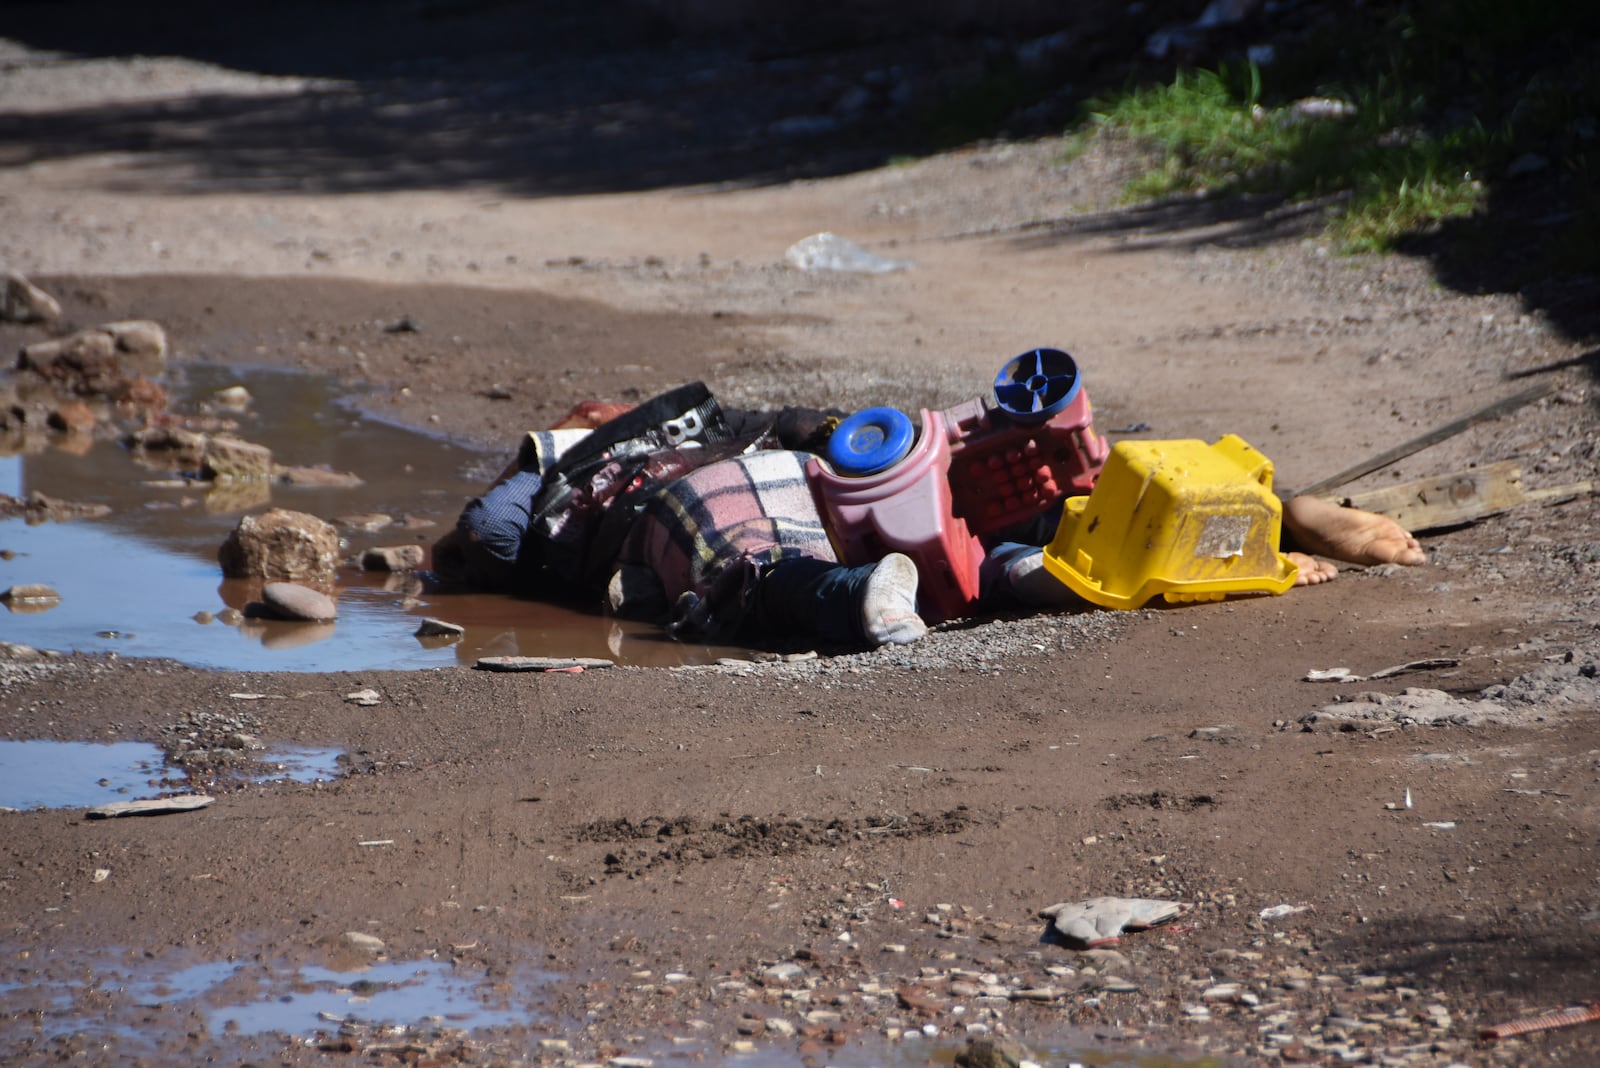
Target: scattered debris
point(1344, 674)
point(154, 807)
point(830, 252)
point(540, 663)
point(1414, 705)
point(37, 508)
point(1547, 1022)
point(1100, 921)
point(1279, 912)
point(1432, 437)
point(366, 698)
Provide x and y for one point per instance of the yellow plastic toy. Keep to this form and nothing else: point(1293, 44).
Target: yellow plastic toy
point(1183, 519)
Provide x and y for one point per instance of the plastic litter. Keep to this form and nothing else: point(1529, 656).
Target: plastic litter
point(1279, 912)
point(1547, 1022)
point(1100, 920)
point(830, 252)
point(1180, 519)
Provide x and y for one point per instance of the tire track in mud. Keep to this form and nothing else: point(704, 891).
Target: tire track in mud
point(657, 840)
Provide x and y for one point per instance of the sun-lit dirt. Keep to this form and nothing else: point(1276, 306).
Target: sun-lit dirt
point(653, 843)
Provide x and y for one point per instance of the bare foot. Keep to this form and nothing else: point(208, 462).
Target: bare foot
point(1350, 534)
point(1313, 572)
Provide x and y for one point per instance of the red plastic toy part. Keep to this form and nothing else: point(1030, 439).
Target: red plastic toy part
point(1003, 471)
point(906, 508)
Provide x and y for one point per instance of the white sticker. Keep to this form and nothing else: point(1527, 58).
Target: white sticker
point(1223, 536)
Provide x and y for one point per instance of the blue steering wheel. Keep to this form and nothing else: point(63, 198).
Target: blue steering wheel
point(870, 441)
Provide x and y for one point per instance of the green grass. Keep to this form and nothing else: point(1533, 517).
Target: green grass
point(1443, 94)
point(1211, 132)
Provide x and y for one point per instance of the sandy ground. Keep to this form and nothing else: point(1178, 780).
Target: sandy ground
point(857, 847)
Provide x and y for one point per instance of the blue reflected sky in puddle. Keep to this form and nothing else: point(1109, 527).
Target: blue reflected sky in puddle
point(46, 774)
point(299, 763)
point(134, 581)
point(76, 774)
point(398, 993)
point(138, 999)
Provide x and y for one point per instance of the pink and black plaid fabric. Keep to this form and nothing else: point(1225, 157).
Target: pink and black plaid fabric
point(708, 533)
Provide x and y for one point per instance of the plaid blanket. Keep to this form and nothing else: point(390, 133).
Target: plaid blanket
point(708, 534)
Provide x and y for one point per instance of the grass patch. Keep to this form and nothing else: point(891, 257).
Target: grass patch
point(1212, 133)
point(1406, 124)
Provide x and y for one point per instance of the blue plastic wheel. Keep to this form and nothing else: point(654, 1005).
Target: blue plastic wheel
point(1037, 385)
point(870, 441)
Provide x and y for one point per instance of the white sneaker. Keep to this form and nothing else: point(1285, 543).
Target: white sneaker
point(889, 602)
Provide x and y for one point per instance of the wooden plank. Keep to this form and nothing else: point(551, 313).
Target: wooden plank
point(1560, 494)
point(1446, 500)
point(1432, 437)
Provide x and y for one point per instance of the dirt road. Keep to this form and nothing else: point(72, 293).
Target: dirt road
point(838, 861)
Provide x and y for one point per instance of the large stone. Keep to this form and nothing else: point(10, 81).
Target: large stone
point(23, 302)
point(281, 546)
point(290, 600)
point(234, 459)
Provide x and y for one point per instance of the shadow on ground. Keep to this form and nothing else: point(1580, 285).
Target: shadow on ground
point(559, 97)
point(1533, 959)
point(543, 97)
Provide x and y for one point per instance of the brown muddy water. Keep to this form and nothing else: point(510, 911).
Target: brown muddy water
point(143, 580)
point(140, 581)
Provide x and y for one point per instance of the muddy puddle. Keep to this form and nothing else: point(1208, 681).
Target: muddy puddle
point(46, 774)
point(136, 1003)
point(140, 1004)
point(144, 581)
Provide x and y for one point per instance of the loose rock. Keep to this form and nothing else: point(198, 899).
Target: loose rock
point(23, 302)
point(362, 941)
point(30, 593)
point(139, 337)
point(439, 628)
point(154, 807)
point(281, 545)
point(316, 476)
point(228, 458)
point(290, 600)
point(366, 523)
point(392, 558)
